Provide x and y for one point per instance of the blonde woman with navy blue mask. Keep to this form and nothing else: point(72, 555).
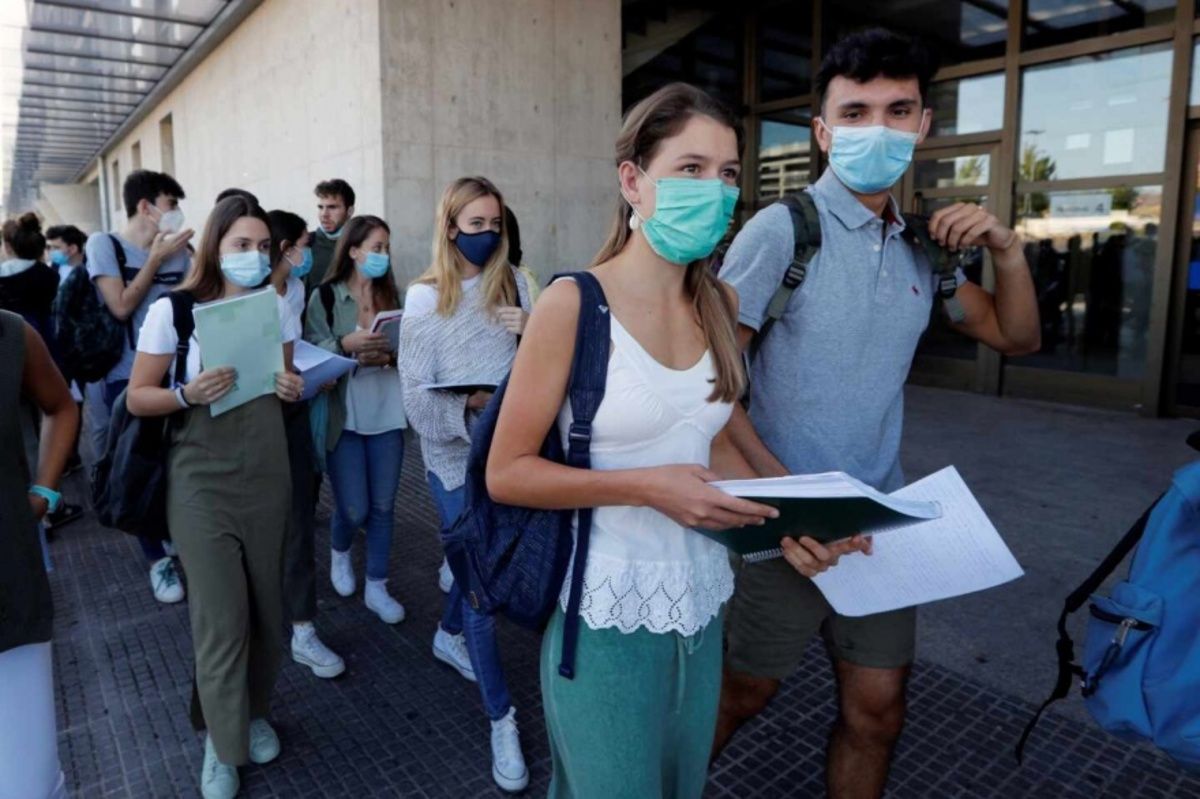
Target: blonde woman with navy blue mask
point(363, 432)
point(227, 498)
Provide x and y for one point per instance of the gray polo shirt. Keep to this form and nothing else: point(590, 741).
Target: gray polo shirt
point(827, 386)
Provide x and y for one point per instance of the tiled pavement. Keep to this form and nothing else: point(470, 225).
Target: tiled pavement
point(400, 724)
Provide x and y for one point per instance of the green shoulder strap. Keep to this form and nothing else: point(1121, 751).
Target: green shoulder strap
point(806, 232)
point(944, 265)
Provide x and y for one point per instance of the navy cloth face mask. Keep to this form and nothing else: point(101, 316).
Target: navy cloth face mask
point(478, 247)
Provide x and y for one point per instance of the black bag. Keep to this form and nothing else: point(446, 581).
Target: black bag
point(90, 339)
point(129, 482)
point(513, 560)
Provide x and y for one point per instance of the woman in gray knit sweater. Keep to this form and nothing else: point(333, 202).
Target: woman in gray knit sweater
point(461, 323)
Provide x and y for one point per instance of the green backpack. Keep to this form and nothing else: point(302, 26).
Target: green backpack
point(806, 230)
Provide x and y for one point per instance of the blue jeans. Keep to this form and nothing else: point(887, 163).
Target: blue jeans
point(364, 472)
point(480, 629)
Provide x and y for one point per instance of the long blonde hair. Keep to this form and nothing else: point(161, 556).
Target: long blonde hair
point(499, 286)
point(661, 116)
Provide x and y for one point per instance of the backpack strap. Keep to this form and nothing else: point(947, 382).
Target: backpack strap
point(119, 253)
point(944, 265)
point(585, 391)
point(1067, 667)
point(326, 292)
point(185, 325)
point(806, 233)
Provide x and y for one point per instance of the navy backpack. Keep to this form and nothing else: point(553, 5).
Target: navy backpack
point(513, 560)
point(1140, 675)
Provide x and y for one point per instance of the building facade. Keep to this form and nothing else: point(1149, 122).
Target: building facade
point(1075, 121)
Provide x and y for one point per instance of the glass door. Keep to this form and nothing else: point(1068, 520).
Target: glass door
point(1182, 389)
point(939, 178)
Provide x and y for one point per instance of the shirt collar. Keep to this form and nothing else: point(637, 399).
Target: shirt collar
point(15, 266)
point(846, 207)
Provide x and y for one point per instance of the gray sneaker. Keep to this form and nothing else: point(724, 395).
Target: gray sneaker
point(217, 780)
point(264, 743)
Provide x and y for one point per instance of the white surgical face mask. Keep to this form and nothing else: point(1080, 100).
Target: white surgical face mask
point(169, 221)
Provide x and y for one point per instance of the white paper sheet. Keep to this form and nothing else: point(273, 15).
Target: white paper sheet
point(318, 367)
point(826, 485)
point(958, 553)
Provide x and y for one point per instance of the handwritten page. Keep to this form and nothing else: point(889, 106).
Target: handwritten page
point(958, 553)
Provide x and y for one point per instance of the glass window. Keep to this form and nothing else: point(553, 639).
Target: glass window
point(952, 171)
point(166, 143)
point(960, 31)
point(1194, 97)
point(784, 42)
point(697, 46)
point(969, 105)
point(1092, 254)
point(1187, 389)
point(1059, 21)
point(1097, 115)
point(784, 155)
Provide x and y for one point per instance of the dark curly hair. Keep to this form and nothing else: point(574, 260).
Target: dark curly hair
point(867, 54)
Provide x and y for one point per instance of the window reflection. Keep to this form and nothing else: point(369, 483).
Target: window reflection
point(1194, 97)
point(696, 45)
point(970, 105)
point(784, 44)
point(952, 171)
point(1098, 115)
point(959, 31)
point(1092, 255)
point(1057, 21)
point(784, 155)
point(1188, 386)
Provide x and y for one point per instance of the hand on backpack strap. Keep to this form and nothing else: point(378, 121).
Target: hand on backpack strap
point(963, 225)
point(210, 385)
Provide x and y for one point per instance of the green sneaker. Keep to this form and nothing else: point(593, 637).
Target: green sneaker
point(264, 743)
point(217, 780)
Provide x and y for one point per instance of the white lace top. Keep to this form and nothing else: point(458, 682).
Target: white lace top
point(643, 569)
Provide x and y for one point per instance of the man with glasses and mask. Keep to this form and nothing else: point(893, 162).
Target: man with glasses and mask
point(827, 383)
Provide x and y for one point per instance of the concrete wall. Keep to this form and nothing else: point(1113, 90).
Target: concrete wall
point(291, 97)
point(525, 92)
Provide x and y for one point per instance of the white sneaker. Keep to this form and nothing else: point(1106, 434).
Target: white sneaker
point(508, 764)
point(445, 577)
point(379, 600)
point(308, 650)
point(264, 743)
point(217, 780)
point(164, 581)
point(452, 650)
point(341, 572)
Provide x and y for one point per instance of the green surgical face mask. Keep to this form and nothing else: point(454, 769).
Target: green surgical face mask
point(690, 217)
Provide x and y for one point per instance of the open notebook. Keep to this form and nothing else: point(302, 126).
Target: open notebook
point(825, 506)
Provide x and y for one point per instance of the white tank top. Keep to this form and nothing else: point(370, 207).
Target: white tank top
point(643, 569)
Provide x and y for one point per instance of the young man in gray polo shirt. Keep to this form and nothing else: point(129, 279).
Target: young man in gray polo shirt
point(827, 385)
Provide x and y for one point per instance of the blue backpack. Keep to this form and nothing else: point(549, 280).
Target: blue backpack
point(1140, 676)
point(513, 560)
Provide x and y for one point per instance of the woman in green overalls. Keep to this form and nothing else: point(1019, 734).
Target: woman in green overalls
point(228, 495)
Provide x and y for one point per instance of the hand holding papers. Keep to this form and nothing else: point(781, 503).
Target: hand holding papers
point(318, 367)
point(241, 333)
point(937, 544)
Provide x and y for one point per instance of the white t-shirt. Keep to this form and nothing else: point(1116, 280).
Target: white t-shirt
point(293, 294)
point(158, 334)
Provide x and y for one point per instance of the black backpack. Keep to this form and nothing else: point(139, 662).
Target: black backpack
point(512, 559)
point(90, 339)
point(129, 482)
point(806, 231)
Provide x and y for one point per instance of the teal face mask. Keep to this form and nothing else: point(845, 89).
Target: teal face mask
point(870, 159)
point(690, 217)
point(376, 265)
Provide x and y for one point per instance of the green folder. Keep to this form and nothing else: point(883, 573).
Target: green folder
point(826, 507)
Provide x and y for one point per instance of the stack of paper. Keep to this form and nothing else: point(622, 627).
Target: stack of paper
point(318, 367)
point(243, 333)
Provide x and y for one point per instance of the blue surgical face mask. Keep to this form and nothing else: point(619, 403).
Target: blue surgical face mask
point(59, 258)
point(246, 269)
point(305, 266)
point(334, 236)
point(870, 159)
point(478, 248)
point(690, 217)
point(376, 265)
